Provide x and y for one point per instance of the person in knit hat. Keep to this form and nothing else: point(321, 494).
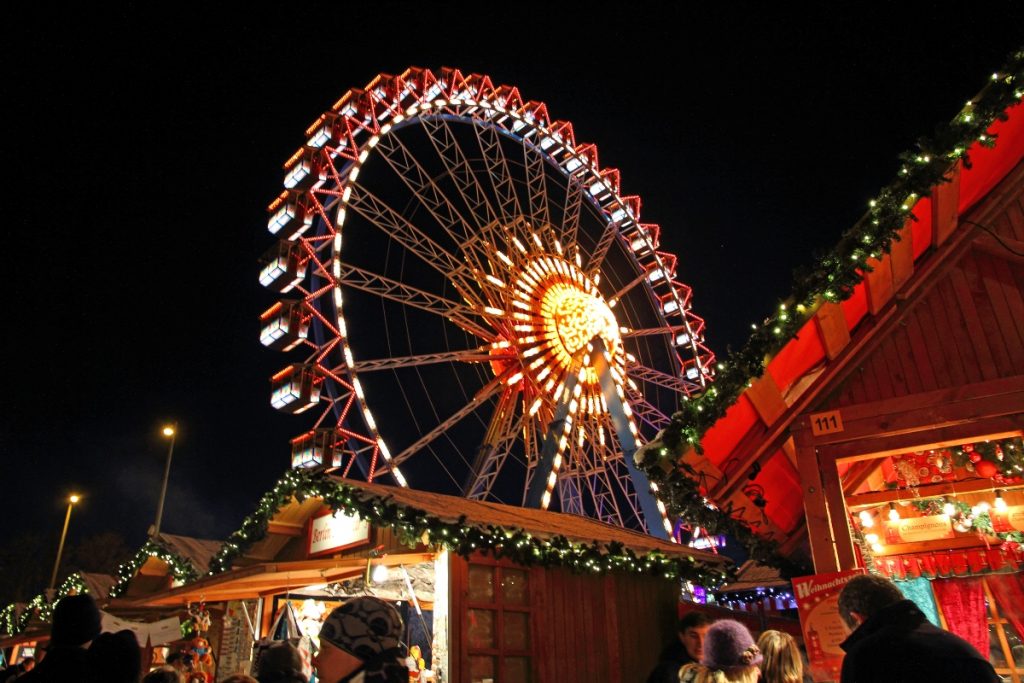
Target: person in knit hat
point(75, 624)
point(730, 656)
point(360, 642)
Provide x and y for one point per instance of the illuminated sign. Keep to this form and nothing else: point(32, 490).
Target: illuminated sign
point(913, 529)
point(332, 532)
point(1009, 519)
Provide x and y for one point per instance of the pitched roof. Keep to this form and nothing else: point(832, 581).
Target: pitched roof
point(198, 551)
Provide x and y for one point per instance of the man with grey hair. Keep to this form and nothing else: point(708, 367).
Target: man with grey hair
point(892, 640)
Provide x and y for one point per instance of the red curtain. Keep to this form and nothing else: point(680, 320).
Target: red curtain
point(1008, 590)
point(962, 602)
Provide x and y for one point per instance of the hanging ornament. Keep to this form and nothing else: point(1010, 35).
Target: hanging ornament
point(986, 468)
point(974, 457)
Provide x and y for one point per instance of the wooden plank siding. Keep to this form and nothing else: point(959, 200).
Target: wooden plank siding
point(968, 328)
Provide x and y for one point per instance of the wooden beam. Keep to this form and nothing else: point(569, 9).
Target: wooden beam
point(285, 528)
point(819, 527)
point(835, 335)
point(858, 473)
point(789, 448)
point(945, 207)
point(767, 399)
point(902, 253)
point(838, 516)
point(876, 498)
point(879, 283)
point(927, 438)
point(987, 244)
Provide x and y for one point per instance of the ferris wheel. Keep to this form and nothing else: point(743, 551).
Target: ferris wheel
point(471, 304)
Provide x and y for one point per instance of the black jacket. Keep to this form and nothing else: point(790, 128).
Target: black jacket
point(900, 645)
point(59, 665)
point(672, 659)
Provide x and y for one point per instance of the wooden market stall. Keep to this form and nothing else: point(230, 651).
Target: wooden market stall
point(886, 433)
point(598, 605)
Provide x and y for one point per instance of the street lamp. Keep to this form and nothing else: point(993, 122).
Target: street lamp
point(170, 431)
point(72, 499)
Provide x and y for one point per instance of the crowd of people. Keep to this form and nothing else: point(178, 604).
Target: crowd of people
point(890, 641)
point(360, 642)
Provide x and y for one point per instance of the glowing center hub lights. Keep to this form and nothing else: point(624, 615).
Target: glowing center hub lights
point(573, 317)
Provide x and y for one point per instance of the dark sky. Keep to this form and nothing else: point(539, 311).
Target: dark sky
point(142, 149)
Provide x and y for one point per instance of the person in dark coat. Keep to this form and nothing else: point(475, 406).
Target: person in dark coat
point(893, 641)
point(686, 648)
point(76, 623)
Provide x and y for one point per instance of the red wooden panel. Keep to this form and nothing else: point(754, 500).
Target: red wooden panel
point(958, 326)
point(989, 166)
point(797, 357)
point(972, 324)
point(989, 320)
point(950, 354)
point(780, 479)
point(856, 307)
point(727, 432)
point(1015, 219)
point(1012, 289)
point(883, 376)
point(898, 354)
point(994, 290)
point(922, 227)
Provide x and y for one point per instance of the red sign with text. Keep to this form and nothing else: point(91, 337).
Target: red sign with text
point(817, 598)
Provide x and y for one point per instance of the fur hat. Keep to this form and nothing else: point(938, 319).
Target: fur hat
point(729, 645)
point(364, 627)
point(76, 620)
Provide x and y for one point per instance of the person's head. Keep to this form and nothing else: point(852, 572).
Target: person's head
point(76, 621)
point(864, 596)
point(164, 674)
point(729, 648)
point(782, 662)
point(280, 663)
point(364, 633)
point(181, 661)
point(115, 657)
point(692, 629)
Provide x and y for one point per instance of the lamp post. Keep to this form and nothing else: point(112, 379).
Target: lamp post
point(72, 499)
point(170, 431)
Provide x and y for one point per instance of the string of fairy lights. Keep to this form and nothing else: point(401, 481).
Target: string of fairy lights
point(831, 279)
point(15, 618)
point(414, 527)
point(181, 569)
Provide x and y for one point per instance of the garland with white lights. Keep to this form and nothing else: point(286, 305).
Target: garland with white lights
point(13, 622)
point(181, 569)
point(414, 526)
point(967, 518)
point(832, 278)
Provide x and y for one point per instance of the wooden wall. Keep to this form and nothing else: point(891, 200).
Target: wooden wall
point(968, 328)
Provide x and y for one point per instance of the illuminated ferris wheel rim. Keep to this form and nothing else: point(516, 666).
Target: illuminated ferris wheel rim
point(420, 95)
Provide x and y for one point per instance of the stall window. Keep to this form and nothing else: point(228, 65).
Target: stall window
point(498, 619)
point(1006, 646)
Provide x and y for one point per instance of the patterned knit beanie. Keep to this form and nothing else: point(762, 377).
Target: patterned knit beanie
point(729, 645)
point(364, 627)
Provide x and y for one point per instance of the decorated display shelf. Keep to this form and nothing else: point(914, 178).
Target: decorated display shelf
point(832, 278)
point(13, 621)
point(414, 527)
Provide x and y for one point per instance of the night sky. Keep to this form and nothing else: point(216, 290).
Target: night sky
point(141, 152)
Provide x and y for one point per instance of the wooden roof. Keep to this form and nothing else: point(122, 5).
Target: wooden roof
point(923, 319)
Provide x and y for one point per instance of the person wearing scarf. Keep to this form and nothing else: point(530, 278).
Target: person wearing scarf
point(360, 642)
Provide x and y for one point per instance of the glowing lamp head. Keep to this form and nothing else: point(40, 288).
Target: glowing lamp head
point(74, 498)
point(168, 431)
point(999, 504)
point(871, 538)
point(948, 508)
point(866, 521)
point(877, 547)
point(894, 514)
point(380, 573)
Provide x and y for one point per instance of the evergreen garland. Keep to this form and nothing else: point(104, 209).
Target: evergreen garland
point(831, 279)
point(181, 569)
point(981, 520)
point(12, 622)
point(413, 527)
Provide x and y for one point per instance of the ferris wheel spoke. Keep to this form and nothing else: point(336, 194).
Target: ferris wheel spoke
point(653, 331)
point(481, 354)
point(617, 296)
point(426, 191)
point(502, 434)
point(391, 222)
point(386, 288)
point(604, 243)
point(533, 163)
point(492, 388)
point(447, 147)
point(645, 411)
point(498, 171)
point(652, 376)
point(572, 209)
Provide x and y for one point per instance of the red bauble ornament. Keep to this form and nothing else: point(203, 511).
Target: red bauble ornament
point(986, 468)
point(968, 447)
point(974, 457)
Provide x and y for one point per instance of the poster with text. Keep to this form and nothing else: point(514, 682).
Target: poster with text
point(817, 598)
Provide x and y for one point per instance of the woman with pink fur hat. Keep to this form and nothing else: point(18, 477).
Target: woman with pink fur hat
point(730, 656)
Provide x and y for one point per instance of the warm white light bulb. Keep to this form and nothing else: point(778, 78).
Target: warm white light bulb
point(981, 508)
point(877, 547)
point(948, 509)
point(1000, 504)
point(380, 573)
point(866, 520)
point(894, 514)
point(871, 538)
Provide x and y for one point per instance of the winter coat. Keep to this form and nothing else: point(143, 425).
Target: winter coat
point(61, 664)
point(899, 645)
point(671, 660)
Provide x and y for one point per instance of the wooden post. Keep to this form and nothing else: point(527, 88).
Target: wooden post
point(819, 528)
point(838, 516)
